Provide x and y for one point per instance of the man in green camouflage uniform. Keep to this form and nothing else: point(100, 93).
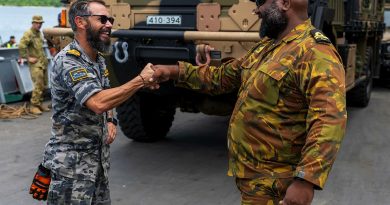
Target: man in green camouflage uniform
point(290, 116)
point(31, 48)
point(77, 154)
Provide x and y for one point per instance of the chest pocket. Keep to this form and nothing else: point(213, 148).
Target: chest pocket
point(265, 83)
point(37, 42)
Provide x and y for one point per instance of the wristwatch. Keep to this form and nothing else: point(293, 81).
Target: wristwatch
point(113, 120)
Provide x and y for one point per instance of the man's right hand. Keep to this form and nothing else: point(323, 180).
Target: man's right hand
point(40, 184)
point(146, 74)
point(21, 61)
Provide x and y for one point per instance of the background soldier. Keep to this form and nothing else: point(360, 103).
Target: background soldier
point(31, 48)
point(290, 116)
point(76, 158)
point(10, 44)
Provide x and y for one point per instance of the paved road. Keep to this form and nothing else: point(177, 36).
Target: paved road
point(189, 168)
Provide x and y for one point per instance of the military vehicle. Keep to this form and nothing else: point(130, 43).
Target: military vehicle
point(385, 54)
point(165, 31)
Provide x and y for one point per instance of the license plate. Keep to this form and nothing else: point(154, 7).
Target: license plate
point(163, 20)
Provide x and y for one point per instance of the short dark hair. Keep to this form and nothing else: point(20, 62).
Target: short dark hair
point(11, 37)
point(80, 8)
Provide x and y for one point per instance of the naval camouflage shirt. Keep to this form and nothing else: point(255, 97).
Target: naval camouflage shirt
point(76, 148)
point(290, 116)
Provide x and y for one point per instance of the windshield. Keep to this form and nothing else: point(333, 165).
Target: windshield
point(387, 19)
point(386, 34)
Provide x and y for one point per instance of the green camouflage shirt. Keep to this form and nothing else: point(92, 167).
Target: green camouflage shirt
point(290, 116)
point(31, 45)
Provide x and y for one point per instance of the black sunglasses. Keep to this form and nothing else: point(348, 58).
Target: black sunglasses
point(260, 2)
point(103, 18)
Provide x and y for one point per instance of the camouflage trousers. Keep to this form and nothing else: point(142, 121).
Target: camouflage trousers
point(67, 191)
point(262, 191)
point(39, 79)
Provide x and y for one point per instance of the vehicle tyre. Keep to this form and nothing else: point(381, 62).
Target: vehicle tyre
point(384, 79)
point(360, 95)
point(146, 117)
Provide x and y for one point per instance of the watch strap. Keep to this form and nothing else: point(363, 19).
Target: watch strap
point(113, 121)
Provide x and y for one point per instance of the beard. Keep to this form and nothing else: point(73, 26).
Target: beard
point(273, 22)
point(93, 38)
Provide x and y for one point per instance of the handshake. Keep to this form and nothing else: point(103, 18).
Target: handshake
point(152, 75)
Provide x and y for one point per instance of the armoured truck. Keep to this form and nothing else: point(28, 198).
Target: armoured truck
point(385, 55)
point(166, 31)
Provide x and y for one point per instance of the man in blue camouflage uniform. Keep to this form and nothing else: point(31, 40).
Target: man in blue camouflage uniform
point(77, 154)
point(290, 115)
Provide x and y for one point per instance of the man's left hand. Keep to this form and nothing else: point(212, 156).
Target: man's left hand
point(299, 193)
point(111, 132)
point(40, 185)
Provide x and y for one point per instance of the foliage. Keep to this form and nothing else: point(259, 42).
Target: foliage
point(55, 3)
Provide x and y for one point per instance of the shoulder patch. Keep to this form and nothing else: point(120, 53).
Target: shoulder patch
point(106, 73)
point(73, 52)
point(319, 36)
point(78, 74)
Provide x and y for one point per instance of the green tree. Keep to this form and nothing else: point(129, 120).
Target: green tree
point(55, 3)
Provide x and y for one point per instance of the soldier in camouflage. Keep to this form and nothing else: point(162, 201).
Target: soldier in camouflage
point(77, 154)
point(31, 48)
point(290, 116)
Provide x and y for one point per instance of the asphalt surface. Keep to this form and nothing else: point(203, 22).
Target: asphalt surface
point(189, 168)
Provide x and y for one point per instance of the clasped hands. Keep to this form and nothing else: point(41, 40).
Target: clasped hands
point(153, 75)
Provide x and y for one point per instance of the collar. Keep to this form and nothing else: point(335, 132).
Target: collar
point(75, 45)
point(298, 31)
point(34, 31)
